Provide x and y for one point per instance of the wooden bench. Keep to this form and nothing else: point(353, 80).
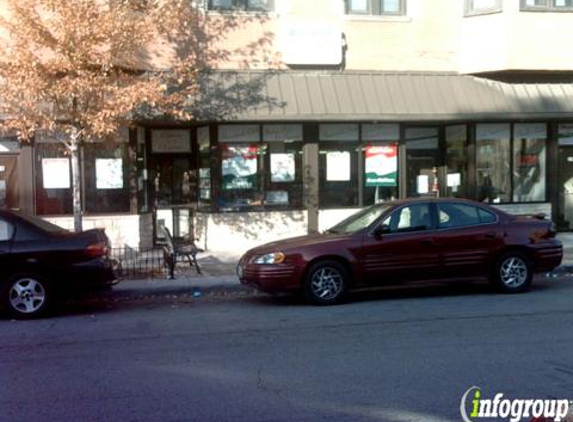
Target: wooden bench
point(177, 250)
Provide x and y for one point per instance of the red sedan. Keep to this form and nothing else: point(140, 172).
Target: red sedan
point(403, 241)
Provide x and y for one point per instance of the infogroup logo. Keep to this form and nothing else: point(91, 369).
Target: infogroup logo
point(473, 407)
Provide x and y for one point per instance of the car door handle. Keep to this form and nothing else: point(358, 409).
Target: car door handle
point(427, 242)
point(491, 235)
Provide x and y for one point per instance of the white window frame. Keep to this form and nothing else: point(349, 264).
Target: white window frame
point(372, 9)
point(550, 6)
point(470, 10)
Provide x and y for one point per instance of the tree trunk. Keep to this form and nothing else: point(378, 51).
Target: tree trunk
point(76, 179)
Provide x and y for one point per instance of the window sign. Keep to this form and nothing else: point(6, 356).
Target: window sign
point(310, 42)
point(282, 167)
point(454, 180)
point(339, 132)
point(170, 141)
point(272, 133)
point(109, 173)
point(381, 166)
point(239, 167)
point(277, 197)
point(56, 173)
point(239, 133)
point(338, 166)
point(423, 184)
point(565, 135)
point(529, 162)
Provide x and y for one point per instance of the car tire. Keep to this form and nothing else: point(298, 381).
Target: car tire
point(26, 295)
point(326, 283)
point(513, 272)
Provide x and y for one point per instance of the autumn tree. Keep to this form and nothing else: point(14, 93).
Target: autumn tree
point(87, 68)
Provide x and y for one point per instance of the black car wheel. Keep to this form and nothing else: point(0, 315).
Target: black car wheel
point(513, 272)
point(326, 283)
point(26, 295)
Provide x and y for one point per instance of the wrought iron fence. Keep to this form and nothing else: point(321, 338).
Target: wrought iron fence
point(139, 262)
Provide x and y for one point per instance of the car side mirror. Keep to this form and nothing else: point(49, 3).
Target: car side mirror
point(381, 229)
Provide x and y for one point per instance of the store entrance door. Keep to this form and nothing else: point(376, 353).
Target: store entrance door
point(565, 188)
point(422, 161)
point(174, 186)
point(9, 188)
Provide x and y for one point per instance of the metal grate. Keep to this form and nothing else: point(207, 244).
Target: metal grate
point(136, 262)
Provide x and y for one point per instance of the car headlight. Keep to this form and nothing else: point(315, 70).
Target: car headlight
point(270, 258)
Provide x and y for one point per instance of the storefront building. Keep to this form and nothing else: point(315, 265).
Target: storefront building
point(328, 145)
point(450, 105)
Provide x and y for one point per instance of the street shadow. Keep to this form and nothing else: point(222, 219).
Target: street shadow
point(412, 291)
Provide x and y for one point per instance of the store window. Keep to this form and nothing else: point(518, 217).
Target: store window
point(547, 5)
point(376, 7)
point(105, 185)
point(53, 180)
point(261, 167)
point(106, 178)
point(241, 5)
point(457, 161)
point(338, 165)
point(493, 162)
point(380, 145)
point(529, 162)
point(479, 7)
point(283, 179)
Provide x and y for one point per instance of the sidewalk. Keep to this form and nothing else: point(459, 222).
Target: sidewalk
point(219, 278)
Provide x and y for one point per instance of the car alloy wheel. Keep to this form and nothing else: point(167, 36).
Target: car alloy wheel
point(26, 295)
point(513, 272)
point(326, 283)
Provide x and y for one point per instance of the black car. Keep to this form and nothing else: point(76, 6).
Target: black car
point(41, 261)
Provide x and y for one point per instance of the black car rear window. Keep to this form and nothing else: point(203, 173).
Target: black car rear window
point(41, 224)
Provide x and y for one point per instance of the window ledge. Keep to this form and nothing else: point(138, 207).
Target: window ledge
point(547, 10)
point(482, 13)
point(378, 18)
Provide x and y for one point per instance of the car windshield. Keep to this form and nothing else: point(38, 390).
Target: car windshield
point(360, 220)
point(40, 223)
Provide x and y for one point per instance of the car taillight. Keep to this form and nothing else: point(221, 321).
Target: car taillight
point(97, 249)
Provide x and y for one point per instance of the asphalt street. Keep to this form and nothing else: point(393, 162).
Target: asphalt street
point(391, 355)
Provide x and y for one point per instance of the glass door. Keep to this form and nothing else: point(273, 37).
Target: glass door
point(174, 189)
point(422, 161)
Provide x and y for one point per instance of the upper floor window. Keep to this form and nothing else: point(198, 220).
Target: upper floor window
point(376, 7)
point(242, 5)
point(547, 5)
point(478, 7)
